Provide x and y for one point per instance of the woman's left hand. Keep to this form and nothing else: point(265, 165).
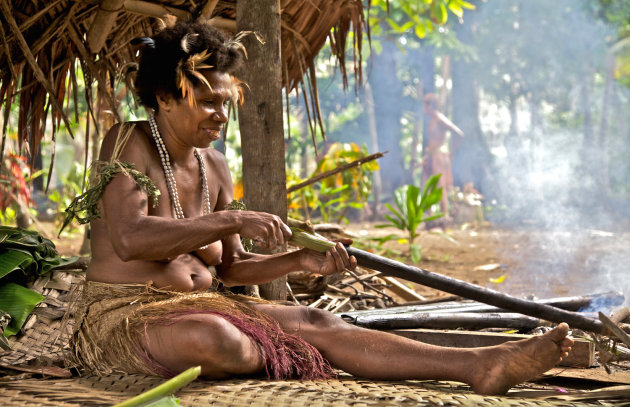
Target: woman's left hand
point(335, 260)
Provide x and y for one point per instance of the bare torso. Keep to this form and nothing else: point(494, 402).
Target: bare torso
point(185, 272)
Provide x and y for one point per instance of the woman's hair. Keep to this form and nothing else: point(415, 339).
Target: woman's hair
point(165, 57)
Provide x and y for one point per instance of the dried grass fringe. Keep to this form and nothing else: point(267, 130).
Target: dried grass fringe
point(111, 322)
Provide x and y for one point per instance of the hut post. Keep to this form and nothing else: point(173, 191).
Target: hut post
point(260, 118)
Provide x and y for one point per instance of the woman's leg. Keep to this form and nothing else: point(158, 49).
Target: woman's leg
point(379, 355)
point(208, 340)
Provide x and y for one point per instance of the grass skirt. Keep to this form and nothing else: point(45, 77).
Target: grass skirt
point(111, 322)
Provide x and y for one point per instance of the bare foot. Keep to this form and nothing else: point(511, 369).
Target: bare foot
point(506, 365)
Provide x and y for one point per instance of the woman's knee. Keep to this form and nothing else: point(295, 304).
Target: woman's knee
point(218, 346)
point(320, 319)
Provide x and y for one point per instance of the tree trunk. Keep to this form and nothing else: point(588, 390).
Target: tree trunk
point(387, 94)
point(427, 70)
point(260, 119)
point(369, 108)
point(589, 165)
point(472, 161)
point(602, 144)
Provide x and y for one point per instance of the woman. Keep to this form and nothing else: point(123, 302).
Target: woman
point(148, 305)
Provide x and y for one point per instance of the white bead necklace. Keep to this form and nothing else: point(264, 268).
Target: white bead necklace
point(171, 184)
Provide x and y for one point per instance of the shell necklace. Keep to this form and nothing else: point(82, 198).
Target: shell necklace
point(171, 185)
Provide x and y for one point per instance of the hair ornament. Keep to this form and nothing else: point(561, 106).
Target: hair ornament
point(235, 43)
point(146, 41)
point(186, 41)
point(191, 66)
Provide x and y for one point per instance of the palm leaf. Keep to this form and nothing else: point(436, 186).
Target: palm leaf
point(11, 260)
point(18, 302)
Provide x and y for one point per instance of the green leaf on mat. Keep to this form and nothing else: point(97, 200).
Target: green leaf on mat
point(164, 389)
point(11, 260)
point(18, 302)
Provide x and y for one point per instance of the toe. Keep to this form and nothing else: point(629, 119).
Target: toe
point(559, 333)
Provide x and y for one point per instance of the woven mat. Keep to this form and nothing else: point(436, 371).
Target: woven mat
point(41, 345)
point(344, 391)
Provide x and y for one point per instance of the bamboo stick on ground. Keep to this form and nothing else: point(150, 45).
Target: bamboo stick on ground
point(452, 320)
point(474, 292)
point(453, 286)
point(567, 303)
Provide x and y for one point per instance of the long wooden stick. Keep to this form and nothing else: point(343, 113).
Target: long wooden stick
point(327, 174)
point(451, 320)
point(474, 292)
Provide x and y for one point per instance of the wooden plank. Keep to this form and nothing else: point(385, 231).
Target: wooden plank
point(595, 374)
point(402, 290)
point(582, 355)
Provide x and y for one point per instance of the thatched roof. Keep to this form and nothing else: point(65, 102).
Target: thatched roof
point(42, 40)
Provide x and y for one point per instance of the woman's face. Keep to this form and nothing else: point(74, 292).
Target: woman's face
point(199, 125)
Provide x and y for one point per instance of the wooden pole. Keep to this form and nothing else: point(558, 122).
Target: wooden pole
point(155, 10)
point(474, 292)
point(566, 303)
point(451, 320)
point(260, 118)
point(332, 172)
point(103, 23)
point(208, 8)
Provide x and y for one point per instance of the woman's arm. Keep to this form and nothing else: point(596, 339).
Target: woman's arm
point(238, 267)
point(243, 268)
point(135, 235)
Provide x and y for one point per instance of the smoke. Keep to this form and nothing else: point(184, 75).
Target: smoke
point(558, 141)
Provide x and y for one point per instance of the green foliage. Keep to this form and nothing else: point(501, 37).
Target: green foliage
point(409, 213)
point(24, 256)
point(419, 17)
point(337, 193)
point(84, 207)
point(15, 191)
point(72, 185)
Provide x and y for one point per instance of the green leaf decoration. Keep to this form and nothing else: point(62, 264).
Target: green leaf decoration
point(18, 302)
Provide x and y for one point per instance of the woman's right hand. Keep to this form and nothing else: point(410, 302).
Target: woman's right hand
point(266, 230)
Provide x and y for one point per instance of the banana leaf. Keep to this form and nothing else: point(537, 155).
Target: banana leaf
point(29, 240)
point(11, 260)
point(18, 302)
point(33, 255)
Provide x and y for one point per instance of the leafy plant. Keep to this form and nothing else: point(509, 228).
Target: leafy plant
point(340, 192)
point(24, 256)
point(409, 213)
point(72, 187)
point(15, 192)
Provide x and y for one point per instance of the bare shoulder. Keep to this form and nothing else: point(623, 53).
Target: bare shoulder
point(219, 167)
point(131, 138)
point(217, 160)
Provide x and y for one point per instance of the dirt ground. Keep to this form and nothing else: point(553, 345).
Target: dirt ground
point(522, 261)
